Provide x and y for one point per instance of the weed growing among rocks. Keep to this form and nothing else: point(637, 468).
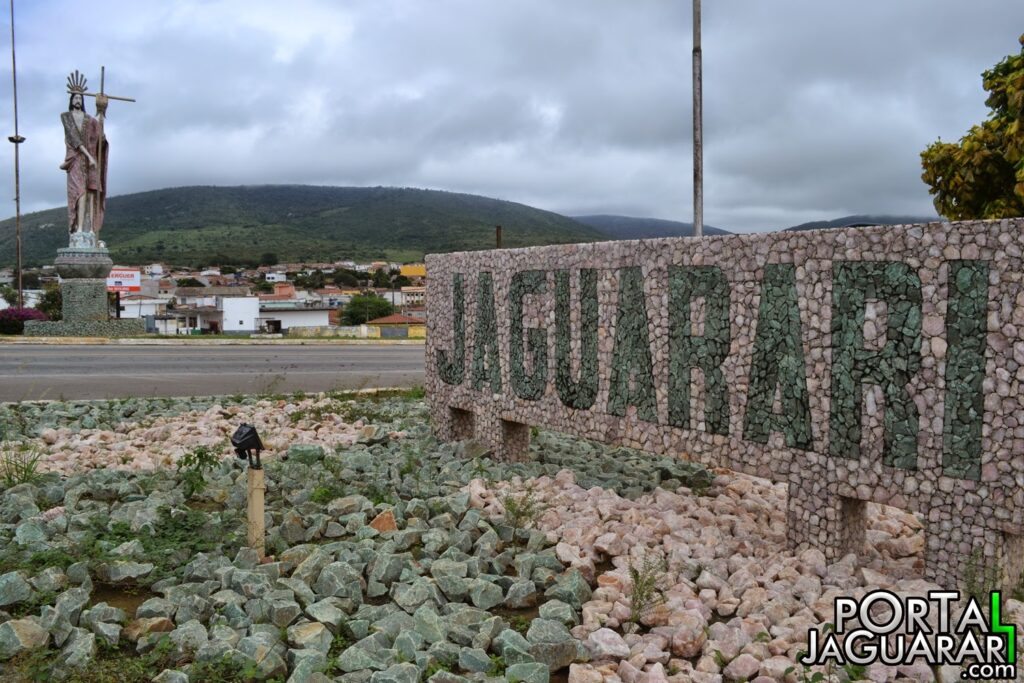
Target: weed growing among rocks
point(192, 469)
point(522, 510)
point(650, 581)
point(19, 464)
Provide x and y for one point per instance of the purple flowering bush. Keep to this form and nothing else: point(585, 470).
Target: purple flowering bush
point(12, 320)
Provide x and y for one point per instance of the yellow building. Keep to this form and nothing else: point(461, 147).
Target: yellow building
point(414, 270)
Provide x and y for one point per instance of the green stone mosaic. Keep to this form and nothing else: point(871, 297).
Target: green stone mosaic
point(452, 371)
point(854, 283)
point(706, 352)
point(778, 364)
point(966, 328)
point(582, 394)
point(529, 386)
point(486, 364)
point(85, 328)
point(631, 377)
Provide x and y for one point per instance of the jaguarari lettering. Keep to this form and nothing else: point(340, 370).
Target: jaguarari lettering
point(778, 369)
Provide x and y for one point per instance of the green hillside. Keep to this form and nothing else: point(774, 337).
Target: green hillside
point(295, 222)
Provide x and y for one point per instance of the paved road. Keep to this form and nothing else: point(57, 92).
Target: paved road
point(30, 372)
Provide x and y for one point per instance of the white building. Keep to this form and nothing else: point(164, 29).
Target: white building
point(233, 314)
point(276, 277)
point(239, 313)
point(280, 318)
point(140, 305)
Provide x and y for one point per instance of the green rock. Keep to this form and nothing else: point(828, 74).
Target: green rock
point(548, 631)
point(340, 580)
point(464, 615)
point(512, 647)
point(119, 570)
point(450, 568)
point(310, 636)
point(328, 612)
point(410, 596)
point(487, 544)
point(395, 623)
point(259, 650)
point(408, 643)
point(21, 635)
point(527, 673)
point(488, 630)
point(79, 650)
point(555, 655)
point(70, 603)
point(398, 673)
point(357, 628)
point(571, 588)
point(302, 592)
point(429, 624)
point(454, 588)
point(310, 567)
point(283, 612)
point(56, 624)
point(108, 633)
point(103, 612)
point(31, 533)
point(485, 594)
point(557, 610)
point(14, 589)
point(521, 595)
point(356, 659)
point(443, 676)
point(472, 659)
point(387, 568)
point(306, 454)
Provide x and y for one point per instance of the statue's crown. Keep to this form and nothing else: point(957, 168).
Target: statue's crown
point(76, 83)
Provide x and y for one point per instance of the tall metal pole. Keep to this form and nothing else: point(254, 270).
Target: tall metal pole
point(17, 140)
point(698, 128)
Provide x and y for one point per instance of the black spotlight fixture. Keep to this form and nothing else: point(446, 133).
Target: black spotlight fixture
point(248, 445)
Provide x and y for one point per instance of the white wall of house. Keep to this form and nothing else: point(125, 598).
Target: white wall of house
point(241, 313)
point(140, 308)
point(276, 277)
point(296, 318)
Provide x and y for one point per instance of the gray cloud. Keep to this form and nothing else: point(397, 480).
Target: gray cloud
point(812, 109)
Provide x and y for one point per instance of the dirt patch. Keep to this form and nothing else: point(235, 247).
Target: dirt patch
point(127, 598)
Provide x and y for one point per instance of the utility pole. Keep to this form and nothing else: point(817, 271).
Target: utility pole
point(17, 140)
point(497, 235)
point(698, 128)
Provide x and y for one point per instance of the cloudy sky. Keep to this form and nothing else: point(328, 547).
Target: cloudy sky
point(812, 109)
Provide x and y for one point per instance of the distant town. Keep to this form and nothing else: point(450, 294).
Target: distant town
point(341, 299)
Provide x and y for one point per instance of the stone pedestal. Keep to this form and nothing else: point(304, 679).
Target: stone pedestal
point(83, 269)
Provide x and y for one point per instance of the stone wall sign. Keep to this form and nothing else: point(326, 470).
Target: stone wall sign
point(857, 365)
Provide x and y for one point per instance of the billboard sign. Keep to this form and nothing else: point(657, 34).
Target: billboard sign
point(124, 280)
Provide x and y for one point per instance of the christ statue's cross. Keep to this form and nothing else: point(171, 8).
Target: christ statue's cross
point(102, 98)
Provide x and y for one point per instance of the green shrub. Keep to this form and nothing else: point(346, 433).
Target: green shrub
point(192, 469)
point(19, 464)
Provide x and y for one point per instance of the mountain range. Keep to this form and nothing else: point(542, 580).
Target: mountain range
point(202, 225)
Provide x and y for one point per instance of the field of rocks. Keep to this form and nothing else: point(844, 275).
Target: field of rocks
point(393, 558)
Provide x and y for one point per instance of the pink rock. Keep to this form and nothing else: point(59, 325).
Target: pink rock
point(605, 643)
point(689, 636)
point(583, 673)
point(742, 668)
point(628, 673)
